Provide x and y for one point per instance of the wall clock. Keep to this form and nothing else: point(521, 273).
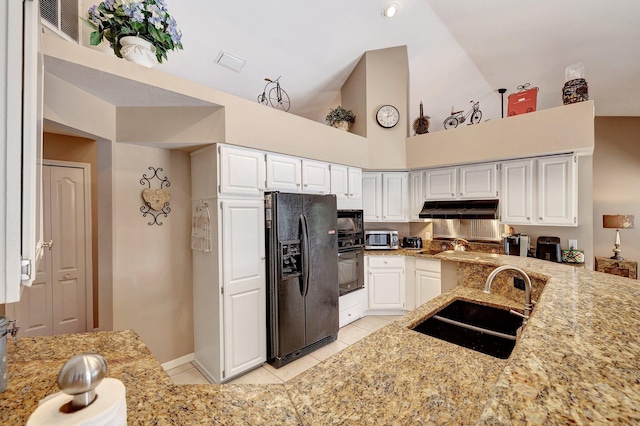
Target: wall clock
point(387, 116)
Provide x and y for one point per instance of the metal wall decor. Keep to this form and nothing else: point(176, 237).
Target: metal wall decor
point(156, 201)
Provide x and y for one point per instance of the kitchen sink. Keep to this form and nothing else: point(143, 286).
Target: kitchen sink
point(485, 329)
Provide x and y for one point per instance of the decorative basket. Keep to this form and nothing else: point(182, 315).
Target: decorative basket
point(575, 91)
point(342, 125)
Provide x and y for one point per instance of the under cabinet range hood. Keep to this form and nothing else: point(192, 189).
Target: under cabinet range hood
point(465, 209)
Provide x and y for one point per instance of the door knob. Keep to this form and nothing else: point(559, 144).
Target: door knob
point(48, 244)
point(67, 276)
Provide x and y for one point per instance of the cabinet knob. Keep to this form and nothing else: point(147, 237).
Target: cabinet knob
point(528, 218)
point(305, 185)
point(297, 184)
point(349, 315)
point(539, 218)
point(350, 195)
point(453, 195)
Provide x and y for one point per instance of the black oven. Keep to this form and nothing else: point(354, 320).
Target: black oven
point(350, 251)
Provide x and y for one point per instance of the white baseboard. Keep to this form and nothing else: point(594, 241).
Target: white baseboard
point(178, 362)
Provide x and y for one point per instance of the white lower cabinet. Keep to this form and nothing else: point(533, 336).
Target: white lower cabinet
point(427, 280)
point(352, 306)
point(385, 282)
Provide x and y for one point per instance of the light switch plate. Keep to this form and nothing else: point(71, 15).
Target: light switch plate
point(573, 244)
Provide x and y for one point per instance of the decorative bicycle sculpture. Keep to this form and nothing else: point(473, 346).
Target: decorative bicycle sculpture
point(276, 96)
point(456, 117)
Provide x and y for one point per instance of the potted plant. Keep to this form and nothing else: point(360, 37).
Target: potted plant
point(340, 118)
point(147, 20)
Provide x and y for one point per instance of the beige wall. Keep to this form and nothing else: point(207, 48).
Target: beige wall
point(354, 97)
point(387, 75)
point(152, 290)
point(616, 183)
point(81, 150)
point(563, 129)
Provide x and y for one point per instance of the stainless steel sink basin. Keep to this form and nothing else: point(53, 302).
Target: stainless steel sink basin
point(482, 328)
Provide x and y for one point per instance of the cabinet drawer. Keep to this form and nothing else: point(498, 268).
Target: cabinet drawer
point(350, 314)
point(386, 261)
point(430, 265)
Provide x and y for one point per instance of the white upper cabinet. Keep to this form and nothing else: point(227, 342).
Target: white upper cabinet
point(516, 198)
point(242, 171)
point(416, 194)
point(316, 177)
point(385, 197)
point(346, 184)
point(540, 191)
point(478, 181)
point(372, 196)
point(472, 182)
point(441, 184)
point(284, 173)
point(293, 174)
point(557, 190)
point(395, 197)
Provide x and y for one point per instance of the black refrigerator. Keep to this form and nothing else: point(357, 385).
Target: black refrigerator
point(302, 274)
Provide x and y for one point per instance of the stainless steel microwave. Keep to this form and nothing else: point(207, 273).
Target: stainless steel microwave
point(381, 239)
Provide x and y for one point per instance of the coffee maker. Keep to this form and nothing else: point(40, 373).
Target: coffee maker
point(516, 245)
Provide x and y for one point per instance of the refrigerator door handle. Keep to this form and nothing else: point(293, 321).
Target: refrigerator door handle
point(305, 255)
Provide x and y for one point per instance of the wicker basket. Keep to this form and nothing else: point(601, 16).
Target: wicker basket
point(575, 91)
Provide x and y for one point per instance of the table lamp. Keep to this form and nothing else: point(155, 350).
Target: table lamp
point(617, 222)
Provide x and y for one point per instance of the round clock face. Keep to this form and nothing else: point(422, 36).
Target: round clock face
point(388, 116)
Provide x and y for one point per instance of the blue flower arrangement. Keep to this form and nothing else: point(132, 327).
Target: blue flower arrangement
point(147, 19)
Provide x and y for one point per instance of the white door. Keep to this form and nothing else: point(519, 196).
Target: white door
point(557, 190)
point(56, 302)
point(386, 288)
point(516, 199)
point(242, 171)
point(395, 197)
point(478, 181)
point(416, 189)
point(427, 287)
point(316, 177)
point(372, 196)
point(355, 184)
point(284, 173)
point(244, 286)
point(441, 184)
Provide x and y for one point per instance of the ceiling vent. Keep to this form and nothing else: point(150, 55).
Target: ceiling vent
point(62, 17)
point(230, 61)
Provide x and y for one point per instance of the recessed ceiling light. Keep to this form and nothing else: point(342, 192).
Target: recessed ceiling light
point(390, 10)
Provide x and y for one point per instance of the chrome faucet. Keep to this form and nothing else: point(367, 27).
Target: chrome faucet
point(459, 244)
point(528, 303)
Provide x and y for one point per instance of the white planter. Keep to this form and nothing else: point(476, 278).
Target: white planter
point(342, 125)
point(139, 51)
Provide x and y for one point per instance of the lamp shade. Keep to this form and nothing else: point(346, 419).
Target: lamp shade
point(618, 221)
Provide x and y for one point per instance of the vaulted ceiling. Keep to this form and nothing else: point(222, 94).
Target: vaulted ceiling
point(458, 50)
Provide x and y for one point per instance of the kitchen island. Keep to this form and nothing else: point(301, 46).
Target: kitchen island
point(574, 362)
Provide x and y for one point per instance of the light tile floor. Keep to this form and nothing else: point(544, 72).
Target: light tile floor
point(348, 335)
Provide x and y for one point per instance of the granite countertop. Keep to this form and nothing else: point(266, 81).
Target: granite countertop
point(574, 362)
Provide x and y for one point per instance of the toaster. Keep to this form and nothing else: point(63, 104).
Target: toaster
point(548, 248)
point(412, 242)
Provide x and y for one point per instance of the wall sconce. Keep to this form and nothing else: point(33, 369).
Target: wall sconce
point(617, 222)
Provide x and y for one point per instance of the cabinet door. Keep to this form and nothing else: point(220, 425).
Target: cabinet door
point(244, 285)
point(478, 181)
point(386, 288)
point(395, 197)
point(557, 190)
point(441, 184)
point(516, 198)
point(340, 182)
point(316, 177)
point(372, 196)
point(417, 196)
point(284, 173)
point(242, 171)
point(427, 286)
point(355, 183)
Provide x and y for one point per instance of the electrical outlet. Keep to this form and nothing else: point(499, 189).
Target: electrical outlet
point(427, 235)
point(573, 244)
point(518, 283)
